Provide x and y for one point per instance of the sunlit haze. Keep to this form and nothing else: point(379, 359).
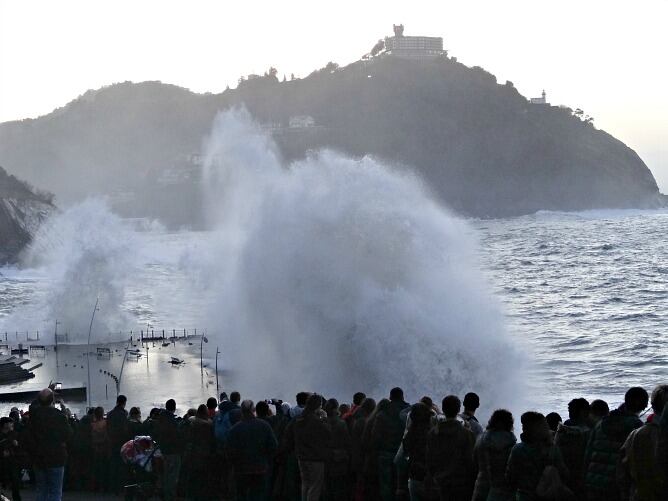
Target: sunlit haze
point(607, 58)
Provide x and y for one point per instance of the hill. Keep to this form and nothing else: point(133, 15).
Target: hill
point(480, 146)
point(22, 210)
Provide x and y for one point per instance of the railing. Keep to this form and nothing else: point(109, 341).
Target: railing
point(141, 335)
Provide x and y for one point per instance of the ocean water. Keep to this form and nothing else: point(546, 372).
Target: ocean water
point(586, 295)
point(583, 294)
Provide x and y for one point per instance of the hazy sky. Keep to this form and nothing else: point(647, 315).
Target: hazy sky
point(606, 57)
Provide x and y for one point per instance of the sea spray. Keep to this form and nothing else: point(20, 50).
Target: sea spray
point(338, 275)
point(83, 253)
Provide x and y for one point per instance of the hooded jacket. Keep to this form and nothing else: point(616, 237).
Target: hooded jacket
point(415, 450)
point(312, 436)
point(571, 438)
point(251, 445)
point(450, 455)
point(339, 447)
point(604, 450)
point(526, 464)
point(491, 453)
point(388, 428)
point(642, 475)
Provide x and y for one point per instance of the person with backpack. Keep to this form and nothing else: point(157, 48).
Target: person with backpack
point(534, 462)
point(450, 454)
point(491, 453)
point(571, 438)
point(312, 435)
point(337, 468)
point(227, 415)
point(169, 437)
point(642, 476)
point(415, 450)
point(603, 451)
point(199, 455)
point(251, 445)
point(386, 435)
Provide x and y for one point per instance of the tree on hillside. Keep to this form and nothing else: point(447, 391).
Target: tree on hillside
point(380, 45)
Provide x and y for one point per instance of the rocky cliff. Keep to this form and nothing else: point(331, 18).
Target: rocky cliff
point(22, 210)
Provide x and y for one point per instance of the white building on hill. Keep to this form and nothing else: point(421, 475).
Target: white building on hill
point(413, 47)
point(539, 100)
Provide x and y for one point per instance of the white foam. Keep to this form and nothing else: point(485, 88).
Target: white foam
point(337, 275)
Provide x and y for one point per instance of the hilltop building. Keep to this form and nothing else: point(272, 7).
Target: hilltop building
point(539, 100)
point(413, 47)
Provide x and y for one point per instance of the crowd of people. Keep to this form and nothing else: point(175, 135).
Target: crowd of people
point(320, 449)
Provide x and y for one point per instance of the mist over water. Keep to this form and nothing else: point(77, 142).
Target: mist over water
point(83, 253)
point(329, 274)
point(338, 275)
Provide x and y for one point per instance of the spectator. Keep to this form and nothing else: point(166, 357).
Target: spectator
point(597, 411)
point(553, 421)
point(357, 423)
point(491, 453)
point(251, 445)
point(170, 440)
point(118, 430)
point(415, 449)
point(135, 426)
point(471, 404)
point(301, 398)
point(642, 477)
point(9, 466)
point(358, 398)
point(571, 439)
point(312, 436)
point(100, 444)
point(49, 432)
point(211, 406)
point(386, 435)
point(200, 456)
point(604, 448)
point(337, 469)
point(529, 459)
point(450, 454)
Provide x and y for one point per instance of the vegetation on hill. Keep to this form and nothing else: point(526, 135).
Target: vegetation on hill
point(480, 146)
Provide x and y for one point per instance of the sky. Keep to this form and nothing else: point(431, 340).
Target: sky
point(606, 57)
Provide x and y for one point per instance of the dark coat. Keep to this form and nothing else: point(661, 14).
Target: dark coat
point(415, 449)
point(388, 428)
point(604, 451)
point(168, 433)
point(251, 444)
point(312, 435)
point(200, 443)
point(491, 453)
point(49, 432)
point(450, 455)
point(339, 447)
point(571, 438)
point(526, 464)
point(357, 422)
point(135, 429)
point(117, 427)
